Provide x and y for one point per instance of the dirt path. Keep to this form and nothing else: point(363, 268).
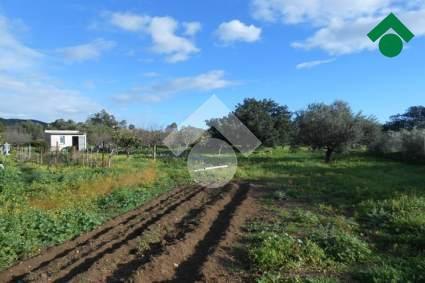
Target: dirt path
point(183, 236)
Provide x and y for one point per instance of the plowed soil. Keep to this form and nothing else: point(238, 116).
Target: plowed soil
point(184, 236)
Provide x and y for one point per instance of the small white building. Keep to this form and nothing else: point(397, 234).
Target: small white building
point(58, 140)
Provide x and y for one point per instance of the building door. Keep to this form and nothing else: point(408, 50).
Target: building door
point(75, 143)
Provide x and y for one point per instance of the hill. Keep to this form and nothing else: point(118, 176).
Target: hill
point(13, 122)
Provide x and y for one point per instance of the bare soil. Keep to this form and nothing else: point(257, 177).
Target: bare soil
point(187, 235)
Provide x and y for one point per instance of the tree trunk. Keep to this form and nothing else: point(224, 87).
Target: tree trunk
point(329, 153)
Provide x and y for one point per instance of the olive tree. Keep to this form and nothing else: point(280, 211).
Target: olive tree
point(330, 127)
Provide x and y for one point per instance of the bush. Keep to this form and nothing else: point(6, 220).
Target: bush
point(409, 143)
point(413, 143)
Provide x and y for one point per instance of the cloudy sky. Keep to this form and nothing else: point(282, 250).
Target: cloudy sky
point(153, 62)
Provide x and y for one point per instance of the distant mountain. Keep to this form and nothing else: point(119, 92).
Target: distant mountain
point(13, 122)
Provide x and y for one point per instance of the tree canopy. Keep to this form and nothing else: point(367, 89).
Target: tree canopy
point(266, 119)
point(413, 118)
point(330, 127)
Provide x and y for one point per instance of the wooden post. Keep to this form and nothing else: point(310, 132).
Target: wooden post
point(154, 152)
point(110, 159)
point(103, 154)
point(56, 153)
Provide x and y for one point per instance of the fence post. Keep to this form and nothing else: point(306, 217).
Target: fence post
point(56, 153)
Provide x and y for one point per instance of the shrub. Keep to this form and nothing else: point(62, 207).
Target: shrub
point(409, 143)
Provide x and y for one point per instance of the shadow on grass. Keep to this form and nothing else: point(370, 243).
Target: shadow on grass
point(348, 181)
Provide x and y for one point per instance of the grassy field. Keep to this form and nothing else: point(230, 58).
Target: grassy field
point(42, 206)
point(358, 219)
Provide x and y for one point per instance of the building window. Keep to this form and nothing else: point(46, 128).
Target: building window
point(62, 140)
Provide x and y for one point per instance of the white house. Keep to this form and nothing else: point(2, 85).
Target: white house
point(58, 140)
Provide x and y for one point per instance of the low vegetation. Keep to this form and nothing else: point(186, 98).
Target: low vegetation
point(41, 206)
point(360, 218)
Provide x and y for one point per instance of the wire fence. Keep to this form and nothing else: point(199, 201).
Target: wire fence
point(92, 157)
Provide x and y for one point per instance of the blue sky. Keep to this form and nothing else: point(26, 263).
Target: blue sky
point(153, 62)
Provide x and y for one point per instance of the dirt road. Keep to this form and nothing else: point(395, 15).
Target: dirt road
point(183, 236)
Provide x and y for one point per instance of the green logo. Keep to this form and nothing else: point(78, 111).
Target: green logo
point(391, 44)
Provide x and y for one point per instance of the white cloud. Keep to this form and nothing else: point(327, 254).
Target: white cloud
point(312, 64)
point(15, 56)
point(26, 91)
point(165, 41)
point(192, 28)
point(209, 81)
point(41, 99)
point(315, 11)
point(340, 26)
point(163, 32)
point(129, 21)
point(235, 30)
point(87, 51)
point(341, 37)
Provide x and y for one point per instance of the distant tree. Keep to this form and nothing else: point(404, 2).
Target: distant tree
point(189, 135)
point(413, 118)
point(101, 129)
point(122, 124)
point(266, 119)
point(99, 135)
point(329, 127)
point(371, 130)
point(17, 135)
point(103, 118)
point(170, 128)
point(35, 130)
point(2, 130)
point(62, 124)
point(131, 127)
point(127, 140)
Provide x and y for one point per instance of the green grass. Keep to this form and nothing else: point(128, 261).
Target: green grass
point(41, 206)
point(361, 218)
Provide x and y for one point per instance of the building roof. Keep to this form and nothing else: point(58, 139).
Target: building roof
point(63, 132)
